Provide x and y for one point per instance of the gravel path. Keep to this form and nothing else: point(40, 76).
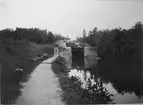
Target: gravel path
point(42, 87)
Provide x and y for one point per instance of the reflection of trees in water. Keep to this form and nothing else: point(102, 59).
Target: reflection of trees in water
point(78, 57)
point(93, 93)
point(125, 77)
point(96, 93)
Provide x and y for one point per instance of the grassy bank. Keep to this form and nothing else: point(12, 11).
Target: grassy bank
point(70, 86)
point(12, 54)
point(73, 93)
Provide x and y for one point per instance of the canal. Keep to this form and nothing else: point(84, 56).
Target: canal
point(112, 82)
point(103, 80)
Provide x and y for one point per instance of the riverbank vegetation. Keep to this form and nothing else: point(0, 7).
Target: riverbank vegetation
point(73, 92)
point(121, 54)
point(118, 44)
point(29, 35)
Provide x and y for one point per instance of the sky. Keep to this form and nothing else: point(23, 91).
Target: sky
point(70, 17)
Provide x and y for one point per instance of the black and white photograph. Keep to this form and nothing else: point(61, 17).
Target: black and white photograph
point(71, 52)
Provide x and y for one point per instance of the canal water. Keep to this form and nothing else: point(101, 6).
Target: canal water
point(114, 82)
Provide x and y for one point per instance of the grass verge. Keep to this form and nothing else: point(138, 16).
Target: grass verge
point(73, 93)
point(70, 86)
point(13, 54)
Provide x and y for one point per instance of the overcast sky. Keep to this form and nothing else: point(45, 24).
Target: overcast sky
point(70, 17)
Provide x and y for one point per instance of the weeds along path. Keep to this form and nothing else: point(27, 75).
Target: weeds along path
point(42, 87)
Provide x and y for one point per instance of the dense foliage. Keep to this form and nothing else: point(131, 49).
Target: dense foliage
point(119, 43)
point(30, 35)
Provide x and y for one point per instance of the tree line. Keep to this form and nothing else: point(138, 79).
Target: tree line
point(30, 35)
point(118, 43)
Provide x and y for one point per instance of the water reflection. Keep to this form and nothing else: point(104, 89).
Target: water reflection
point(125, 77)
point(94, 92)
point(110, 81)
point(77, 57)
point(90, 57)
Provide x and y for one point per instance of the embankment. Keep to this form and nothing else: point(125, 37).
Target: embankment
point(73, 93)
point(69, 85)
point(72, 86)
point(12, 54)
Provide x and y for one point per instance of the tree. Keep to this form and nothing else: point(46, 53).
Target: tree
point(84, 35)
point(50, 37)
point(138, 26)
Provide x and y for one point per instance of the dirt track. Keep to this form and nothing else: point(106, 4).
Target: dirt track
point(42, 87)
